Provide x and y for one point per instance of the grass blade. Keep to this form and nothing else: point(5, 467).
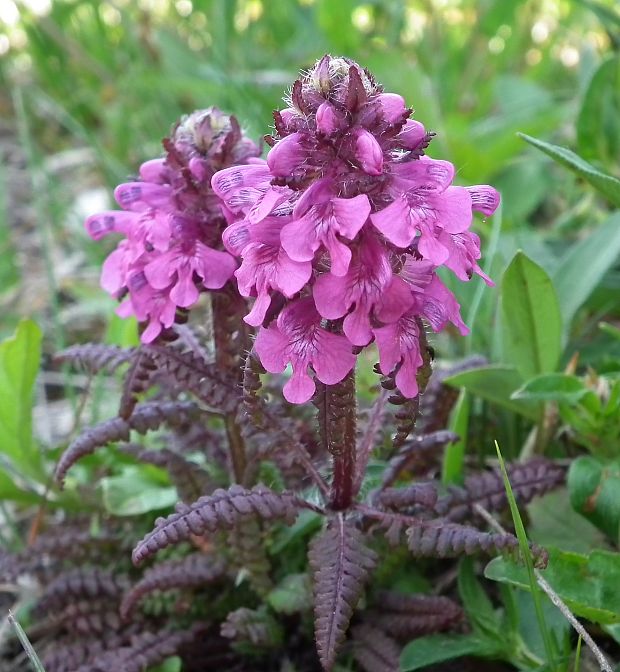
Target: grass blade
point(25, 642)
point(527, 558)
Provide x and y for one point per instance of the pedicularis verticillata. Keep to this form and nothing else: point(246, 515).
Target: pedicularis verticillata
point(329, 245)
point(347, 218)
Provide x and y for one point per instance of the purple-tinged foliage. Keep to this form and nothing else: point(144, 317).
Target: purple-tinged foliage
point(337, 239)
point(349, 214)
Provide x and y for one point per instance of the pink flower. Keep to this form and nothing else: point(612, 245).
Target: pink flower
point(172, 223)
point(368, 286)
point(298, 339)
point(348, 212)
point(368, 152)
point(176, 267)
point(266, 267)
point(399, 345)
point(425, 209)
point(148, 305)
point(439, 306)
point(318, 219)
point(287, 155)
point(247, 190)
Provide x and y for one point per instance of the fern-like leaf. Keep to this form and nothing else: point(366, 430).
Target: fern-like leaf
point(336, 415)
point(137, 380)
point(92, 616)
point(82, 583)
point(55, 546)
point(68, 655)
point(249, 555)
point(192, 373)
point(449, 540)
point(144, 650)
point(419, 494)
point(407, 616)
point(95, 357)
point(193, 571)
point(341, 564)
point(146, 417)
point(528, 480)
point(189, 478)
point(374, 650)
point(219, 511)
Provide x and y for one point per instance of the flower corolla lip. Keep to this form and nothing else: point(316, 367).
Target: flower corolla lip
point(297, 338)
point(318, 218)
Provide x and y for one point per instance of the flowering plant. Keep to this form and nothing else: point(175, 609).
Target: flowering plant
point(328, 247)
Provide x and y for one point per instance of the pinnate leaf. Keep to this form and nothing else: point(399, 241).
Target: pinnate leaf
point(220, 511)
point(341, 564)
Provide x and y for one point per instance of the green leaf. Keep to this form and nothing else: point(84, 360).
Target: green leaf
point(598, 125)
point(137, 490)
point(581, 270)
point(495, 384)
point(606, 184)
point(531, 321)
point(552, 387)
point(9, 490)
point(19, 363)
point(587, 583)
point(554, 522)
point(594, 489)
point(172, 664)
point(292, 595)
point(437, 648)
point(476, 602)
point(454, 453)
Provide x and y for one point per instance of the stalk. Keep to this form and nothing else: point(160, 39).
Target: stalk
point(231, 340)
point(339, 425)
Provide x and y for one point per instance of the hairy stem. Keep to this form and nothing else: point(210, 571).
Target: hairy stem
point(231, 341)
point(338, 415)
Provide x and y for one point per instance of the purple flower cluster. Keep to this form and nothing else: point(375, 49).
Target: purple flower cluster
point(172, 223)
point(341, 230)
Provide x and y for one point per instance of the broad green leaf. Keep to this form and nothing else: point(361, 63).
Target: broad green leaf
point(19, 363)
point(9, 490)
point(581, 270)
point(552, 387)
point(594, 489)
point(137, 490)
point(427, 651)
point(476, 602)
point(292, 595)
point(531, 321)
point(554, 522)
point(587, 583)
point(606, 184)
point(496, 385)
point(598, 125)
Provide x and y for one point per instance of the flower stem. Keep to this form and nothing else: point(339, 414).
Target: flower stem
point(231, 338)
point(339, 427)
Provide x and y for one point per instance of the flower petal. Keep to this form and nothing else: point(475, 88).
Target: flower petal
point(394, 223)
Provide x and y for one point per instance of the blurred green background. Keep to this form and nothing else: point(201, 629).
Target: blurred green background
point(88, 88)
